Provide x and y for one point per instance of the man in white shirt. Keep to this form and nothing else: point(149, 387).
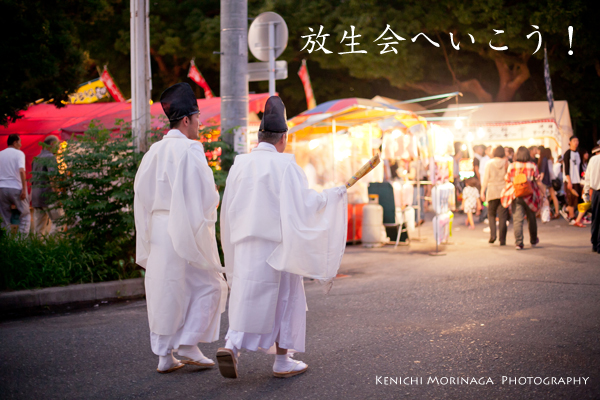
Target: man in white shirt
point(13, 185)
point(175, 207)
point(592, 183)
point(274, 231)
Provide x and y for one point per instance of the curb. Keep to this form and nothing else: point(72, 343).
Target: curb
point(63, 295)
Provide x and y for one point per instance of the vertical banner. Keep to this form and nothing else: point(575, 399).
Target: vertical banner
point(195, 75)
point(303, 74)
point(110, 84)
point(549, 93)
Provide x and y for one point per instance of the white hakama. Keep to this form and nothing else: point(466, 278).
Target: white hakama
point(289, 324)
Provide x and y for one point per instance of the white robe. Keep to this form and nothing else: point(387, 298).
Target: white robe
point(175, 209)
point(274, 231)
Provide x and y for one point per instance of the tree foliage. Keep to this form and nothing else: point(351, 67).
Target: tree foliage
point(186, 29)
point(41, 52)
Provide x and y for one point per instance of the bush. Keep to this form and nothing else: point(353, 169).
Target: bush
point(94, 187)
point(33, 262)
point(220, 157)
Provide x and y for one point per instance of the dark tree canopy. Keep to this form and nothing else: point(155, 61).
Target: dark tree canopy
point(185, 29)
point(41, 54)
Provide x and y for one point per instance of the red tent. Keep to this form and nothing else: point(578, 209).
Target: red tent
point(42, 120)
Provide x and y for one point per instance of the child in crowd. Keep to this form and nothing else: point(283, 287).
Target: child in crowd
point(471, 201)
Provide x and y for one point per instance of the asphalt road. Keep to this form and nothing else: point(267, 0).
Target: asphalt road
point(481, 314)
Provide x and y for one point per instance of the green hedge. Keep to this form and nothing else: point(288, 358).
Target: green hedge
point(33, 262)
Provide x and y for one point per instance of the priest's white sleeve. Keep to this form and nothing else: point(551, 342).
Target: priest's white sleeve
point(313, 228)
point(192, 227)
point(142, 232)
point(226, 235)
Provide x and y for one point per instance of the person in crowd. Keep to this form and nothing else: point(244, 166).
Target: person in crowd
point(471, 201)
point(478, 154)
point(546, 170)
point(487, 156)
point(45, 215)
point(491, 190)
point(509, 152)
point(534, 153)
point(592, 187)
point(526, 206)
point(13, 185)
point(572, 176)
point(175, 210)
point(483, 215)
point(585, 158)
point(544, 179)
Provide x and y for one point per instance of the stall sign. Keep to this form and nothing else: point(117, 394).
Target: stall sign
point(514, 130)
point(89, 92)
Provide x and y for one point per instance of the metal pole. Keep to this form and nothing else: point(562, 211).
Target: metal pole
point(141, 77)
point(419, 197)
point(234, 69)
point(333, 129)
point(271, 58)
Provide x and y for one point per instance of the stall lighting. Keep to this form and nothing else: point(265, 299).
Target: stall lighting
point(313, 144)
point(458, 124)
point(396, 133)
point(470, 137)
point(480, 132)
point(463, 147)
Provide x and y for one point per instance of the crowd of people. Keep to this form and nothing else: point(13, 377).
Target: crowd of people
point(529, 184)
point(14, 194)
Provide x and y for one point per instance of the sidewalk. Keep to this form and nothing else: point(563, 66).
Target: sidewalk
point(26, 300)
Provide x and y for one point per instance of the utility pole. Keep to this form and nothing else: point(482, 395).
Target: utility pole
point(141, 76)
point(234, 69)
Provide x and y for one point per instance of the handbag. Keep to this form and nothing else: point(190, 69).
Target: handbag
point(522, 185)
point(556, 184)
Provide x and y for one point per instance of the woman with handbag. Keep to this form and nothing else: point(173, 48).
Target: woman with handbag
point(523, 193)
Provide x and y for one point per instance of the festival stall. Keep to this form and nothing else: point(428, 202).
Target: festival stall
point(333, 139)
point(513, 124)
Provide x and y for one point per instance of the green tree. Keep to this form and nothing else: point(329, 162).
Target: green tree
point(41, 52)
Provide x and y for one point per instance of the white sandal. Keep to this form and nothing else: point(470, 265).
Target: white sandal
point(206, 364)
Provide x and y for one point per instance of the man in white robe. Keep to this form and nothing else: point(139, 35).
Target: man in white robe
point(274, 232)
point(175, 209)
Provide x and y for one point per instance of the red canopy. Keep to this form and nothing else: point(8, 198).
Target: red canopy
point(42, 120)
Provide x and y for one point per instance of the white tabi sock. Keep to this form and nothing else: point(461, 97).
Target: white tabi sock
point(229, 345)
point(284, 363)
point(192, 352)
point(167, 362)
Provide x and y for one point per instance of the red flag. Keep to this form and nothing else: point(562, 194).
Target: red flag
point(195, 75)
point(110, 84)
point(310, 97)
